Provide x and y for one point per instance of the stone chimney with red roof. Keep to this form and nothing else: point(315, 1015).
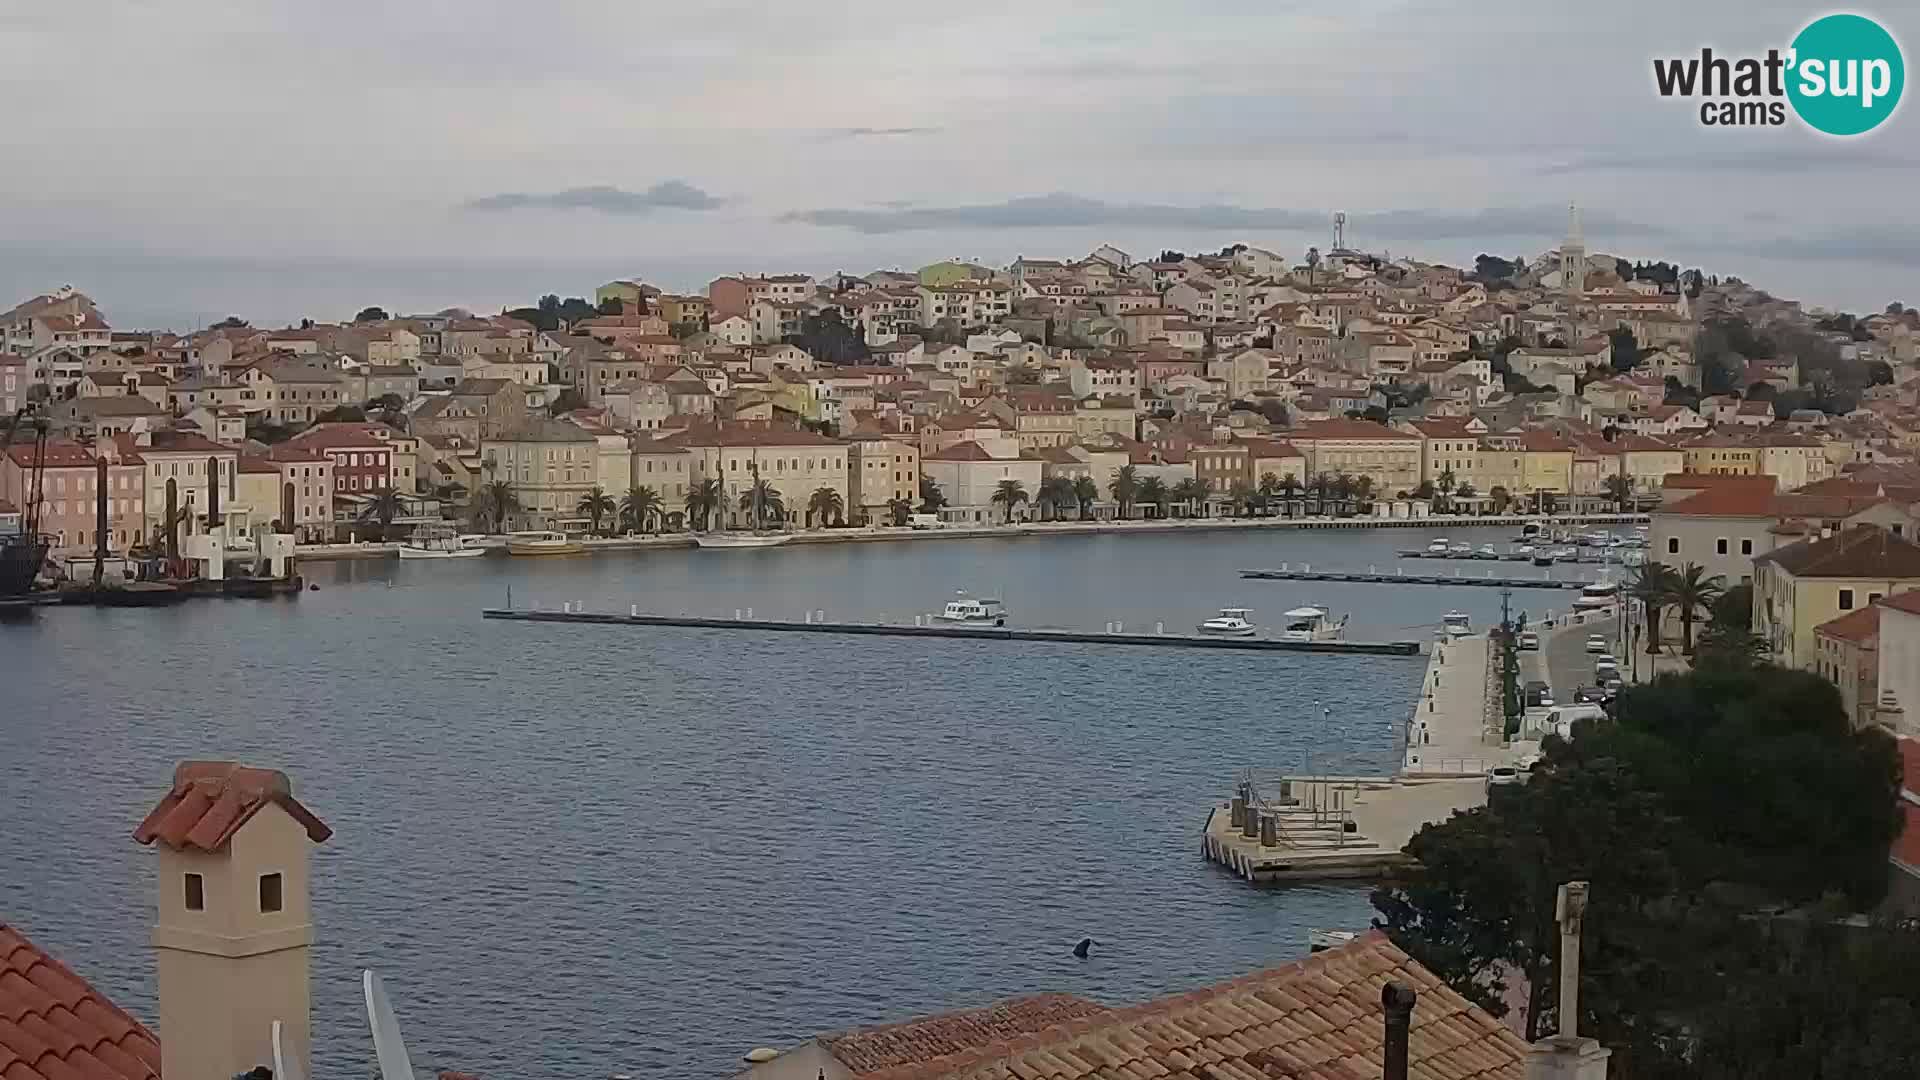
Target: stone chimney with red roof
point(234, 930)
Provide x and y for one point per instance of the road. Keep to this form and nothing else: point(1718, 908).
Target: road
point(1563, 660)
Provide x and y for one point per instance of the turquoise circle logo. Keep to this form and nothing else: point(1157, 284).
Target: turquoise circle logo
point(1847, 74)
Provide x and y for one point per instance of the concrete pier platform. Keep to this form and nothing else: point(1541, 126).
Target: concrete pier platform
point(1489, 580)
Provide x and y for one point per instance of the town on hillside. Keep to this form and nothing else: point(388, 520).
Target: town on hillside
point(1237, 382)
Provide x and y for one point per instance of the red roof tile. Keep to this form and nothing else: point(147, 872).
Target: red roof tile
point(1908, 602)
point(867, 1050)
point(211, 800)
point(1855, 626)
point(54, 1026)
point(1746, 500)
point(1861, 551)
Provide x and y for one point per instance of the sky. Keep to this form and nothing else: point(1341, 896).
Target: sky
point(189, 159)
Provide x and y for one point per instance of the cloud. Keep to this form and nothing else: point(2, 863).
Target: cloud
point(1062, 210)
point(879, 132)
point(670, 195)
point(1772, 160)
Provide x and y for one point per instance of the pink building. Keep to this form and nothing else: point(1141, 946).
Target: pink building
point(69, 492)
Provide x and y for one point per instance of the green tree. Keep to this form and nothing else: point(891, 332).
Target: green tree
point(826, 506)
point(702, 502)
point(1445, 485)
point(1290, 488)
point(1728, 639)
point(1364, 488)
point(1008, 495)
point(371, 314)
point(1054, 496)
point(1652, 586)
point(1086, 493)
point(496, 503)
point(641, 507)
point(1125, 489)
point(1692, 592)
point(1626, 352)
point(1502, 498)
point(1153, 492)
point(1190, 493)
point(770, 508)
point(900, 510)
point(597, 505)
point(1620, 490)
point(931, 497)
point(385, 505)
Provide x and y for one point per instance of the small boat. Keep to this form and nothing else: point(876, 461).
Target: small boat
point(1487, 551)
point(966, 609)
point(438, 542)
point(1231, 622)
point(1456, 624)
point(539, 542)
point(731, 540)
point(1438, 547)
point(1322, 940)
point(1598, 595)
point(1543, 558)
point(1459, 548)
point(1524, 550)
point(1312, 623)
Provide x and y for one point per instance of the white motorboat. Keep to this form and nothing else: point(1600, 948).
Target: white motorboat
point(1600, 594)
point(1231, 622)
point(1437, 547)
point(1313, 623)
point(966, 609)
point(1456, 624)
point(731, 540)
point(541, 542)
point(438, 542)
point(1488, 551)
point(1459, 548)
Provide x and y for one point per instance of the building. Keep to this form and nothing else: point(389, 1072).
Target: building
point(1721, 528)
point(968, 474)
point(306, 492)
point(1798, 587)
point(474, 409)
point(69, 495)
point(796, 463)
point(1846, 653)
point(880, 470)
point(1040, 418)
point(551, 465)
point(1319, 1017)
point(189, 466)
point(363, 461)
point(1359, 448)
point(1898, 676)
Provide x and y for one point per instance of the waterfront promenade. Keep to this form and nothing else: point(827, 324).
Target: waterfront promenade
point(1304, 827)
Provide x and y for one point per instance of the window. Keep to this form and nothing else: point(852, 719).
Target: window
point(1846, 599)
point(1873, 598)
point(1720, 546)
point(269, 893)
point(1673, 545)
point(196, 893)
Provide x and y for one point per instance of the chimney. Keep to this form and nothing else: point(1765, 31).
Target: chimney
point(1396, 1001)
point(234, 930)
point(1567, 1056)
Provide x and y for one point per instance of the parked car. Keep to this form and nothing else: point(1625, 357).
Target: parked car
point(1596, 643)
point(1608, 659)
point(1605, 673)
point(1536, 694)
point(1529, 641)
point(1502, 775)
point(1614, 685)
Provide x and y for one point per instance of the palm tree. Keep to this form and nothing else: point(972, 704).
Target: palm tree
point(1342, 487)
point(1086, 493)
point(1692, 591)
point(771, 506)
point(901, 510)
point(1007, 495)
point(1620, 490)
point(1244, 499)
point(1125, 489)
point(1447, 482)
point(1290, 491)
point(386, 506)
point(1153, 492)
point(1364, 488)
point(825, 505)
point(1191, 492)
point(931, 497)
point(497, 503)
point(597, 504)
point(639, 508)
point(1652, 585)
point(1271, 487)
point(703, 501)
point(1055, 495)
point(1501, 497)
point(1318, 487)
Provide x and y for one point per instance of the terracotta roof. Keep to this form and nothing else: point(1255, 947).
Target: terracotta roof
point(58, 455)
point(1863, 551)
point(965, 451)
point(53, 1026)
point(1908, 602)
point(211, 800)
point(1858, 627)
point(866, 1050)
point(1346, 429)
point(706, 433)
point(1742, 501)
point(1318, 1018)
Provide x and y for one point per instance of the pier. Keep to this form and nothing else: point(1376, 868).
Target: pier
point(1597, 557)
point(1301, 827)
point(1115, 636)
point(1371, 576)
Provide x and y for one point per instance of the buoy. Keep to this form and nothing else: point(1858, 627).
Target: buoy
point(1086, 945)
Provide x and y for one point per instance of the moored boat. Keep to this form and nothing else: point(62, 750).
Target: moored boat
point(967, 609)
point(1231, 622)
point(438, 542)
point(1313, 623)
point(539, 542)
point(1456, 624)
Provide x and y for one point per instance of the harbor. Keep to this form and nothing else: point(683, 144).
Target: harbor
point(1116, 634)
point(1372, 576)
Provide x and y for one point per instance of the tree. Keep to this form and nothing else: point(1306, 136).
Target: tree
point(383, 508)
point(826, 506)
point(612, 305)
point(1619, 489)
point(931, 497)
point(1445, 486)
point(1008, 495)
point(388, 403)
point(900, 510)
point(1153, 492)
point(1192, 492)
point(640, 507)
point(702, 502)
point(761, 502)
point(1125, 489)
point(1692, 591)
point(1313, 263)
point(341, 414)
point(1363, 489)
point(371, 314)
point(1502, 498)
point(1055, 495)
point(566, 401)
point(597, 505)
point(1465, 491)
point(1652, 586)
point(1879, 373)
point(1086, 493)
point(496, 503)
point(1290, 488)
point(231, 322)
point(1626, 351)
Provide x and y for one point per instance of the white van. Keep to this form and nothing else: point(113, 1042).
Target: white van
point(1560, 718)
